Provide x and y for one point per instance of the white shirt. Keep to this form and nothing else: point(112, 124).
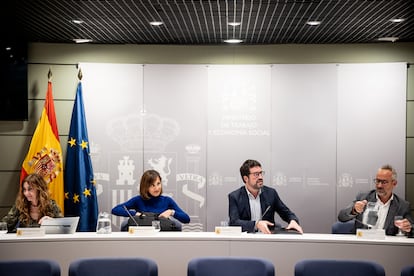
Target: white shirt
point(383, 211)
point(255, 208)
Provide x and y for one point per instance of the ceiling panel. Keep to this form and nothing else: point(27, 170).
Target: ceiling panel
point(206, 22)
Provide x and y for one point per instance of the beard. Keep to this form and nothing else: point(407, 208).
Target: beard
point(258, 184)
point(381, 192)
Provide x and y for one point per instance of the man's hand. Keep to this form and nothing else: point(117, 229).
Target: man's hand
point(294, 225)
point(359, 206)
point(263, 226)
point(406, 225)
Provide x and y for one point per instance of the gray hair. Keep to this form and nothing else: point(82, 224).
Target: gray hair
point(390, 168)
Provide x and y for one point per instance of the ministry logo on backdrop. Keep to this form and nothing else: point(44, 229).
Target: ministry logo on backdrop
point(345, 180)
point(162, 165)
point(134, 133)
point(137, 131)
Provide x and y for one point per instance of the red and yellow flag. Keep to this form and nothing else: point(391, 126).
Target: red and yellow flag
point(45, 152)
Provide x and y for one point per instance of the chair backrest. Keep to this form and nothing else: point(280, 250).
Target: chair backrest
point(29, 267)
point(110, 266)
point(343, 227)
point(339, 267)
point(408, 270)
point(230, 266)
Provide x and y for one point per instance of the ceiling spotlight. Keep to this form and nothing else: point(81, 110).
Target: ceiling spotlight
point(156, 23)
point(77, 21)
point(388, 38)
point(82, 40)
point(313, 23)
point(233, 41)
point(234, 24)
point(397, 20)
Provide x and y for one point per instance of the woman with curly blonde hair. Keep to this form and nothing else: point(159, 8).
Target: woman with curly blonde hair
point(33, 205)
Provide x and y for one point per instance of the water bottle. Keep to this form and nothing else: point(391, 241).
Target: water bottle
point(103, 226)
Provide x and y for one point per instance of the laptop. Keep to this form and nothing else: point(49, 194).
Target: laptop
point(66, 225)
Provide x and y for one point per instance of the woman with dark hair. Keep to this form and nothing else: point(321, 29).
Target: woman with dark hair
point(150, 199)
point(33, 205)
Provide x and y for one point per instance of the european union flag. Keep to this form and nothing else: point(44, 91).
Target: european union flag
point(80, 190)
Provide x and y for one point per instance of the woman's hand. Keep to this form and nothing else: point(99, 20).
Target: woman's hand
point(167, 213)
point(43, 218)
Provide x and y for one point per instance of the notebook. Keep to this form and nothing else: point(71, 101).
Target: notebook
point(66, 225)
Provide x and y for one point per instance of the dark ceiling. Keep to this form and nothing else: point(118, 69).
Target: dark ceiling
point(204, 22)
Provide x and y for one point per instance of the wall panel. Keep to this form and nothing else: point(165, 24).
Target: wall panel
point(371, 125)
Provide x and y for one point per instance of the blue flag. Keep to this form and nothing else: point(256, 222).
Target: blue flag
point(80, 190)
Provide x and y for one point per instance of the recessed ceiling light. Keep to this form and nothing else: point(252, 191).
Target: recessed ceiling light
point(82, 40)
point(234, 24)
point(77, 21)
point(397, 20)
point(388, 38)
point(156, 23)
point(233, 41)
point(313, 23)
point(8, 48)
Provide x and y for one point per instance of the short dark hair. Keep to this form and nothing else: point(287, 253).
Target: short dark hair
point(245, 168)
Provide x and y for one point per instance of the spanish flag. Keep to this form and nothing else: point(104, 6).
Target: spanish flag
point(45, 152)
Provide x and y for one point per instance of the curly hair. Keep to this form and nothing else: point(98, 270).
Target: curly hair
point(37, 183)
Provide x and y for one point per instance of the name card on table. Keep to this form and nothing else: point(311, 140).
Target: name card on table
point(30, 232)
point(376, 234)
point(142, 230)
point(228, 230)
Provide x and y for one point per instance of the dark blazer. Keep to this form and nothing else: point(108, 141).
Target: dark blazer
point(239, 208)
point(398, 206)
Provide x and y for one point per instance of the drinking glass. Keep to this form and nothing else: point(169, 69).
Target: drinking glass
point(398, 222)
point(3, 227)
point(224, 223)
point(103, 225)
point(157, 225)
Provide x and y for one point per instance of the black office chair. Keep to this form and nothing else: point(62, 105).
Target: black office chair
point(230, 266)
point(327, 267)
point(408, 271)
point(110, 266)
point(29, 267)
point(340, 227)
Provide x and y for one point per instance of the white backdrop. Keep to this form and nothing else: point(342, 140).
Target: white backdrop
point(320, 132)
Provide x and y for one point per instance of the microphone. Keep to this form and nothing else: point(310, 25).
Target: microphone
point(131, 216)
point(264, 213)
point(369, 226)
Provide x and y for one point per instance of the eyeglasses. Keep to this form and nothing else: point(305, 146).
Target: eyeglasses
point(257, 174)
point(381, 181)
